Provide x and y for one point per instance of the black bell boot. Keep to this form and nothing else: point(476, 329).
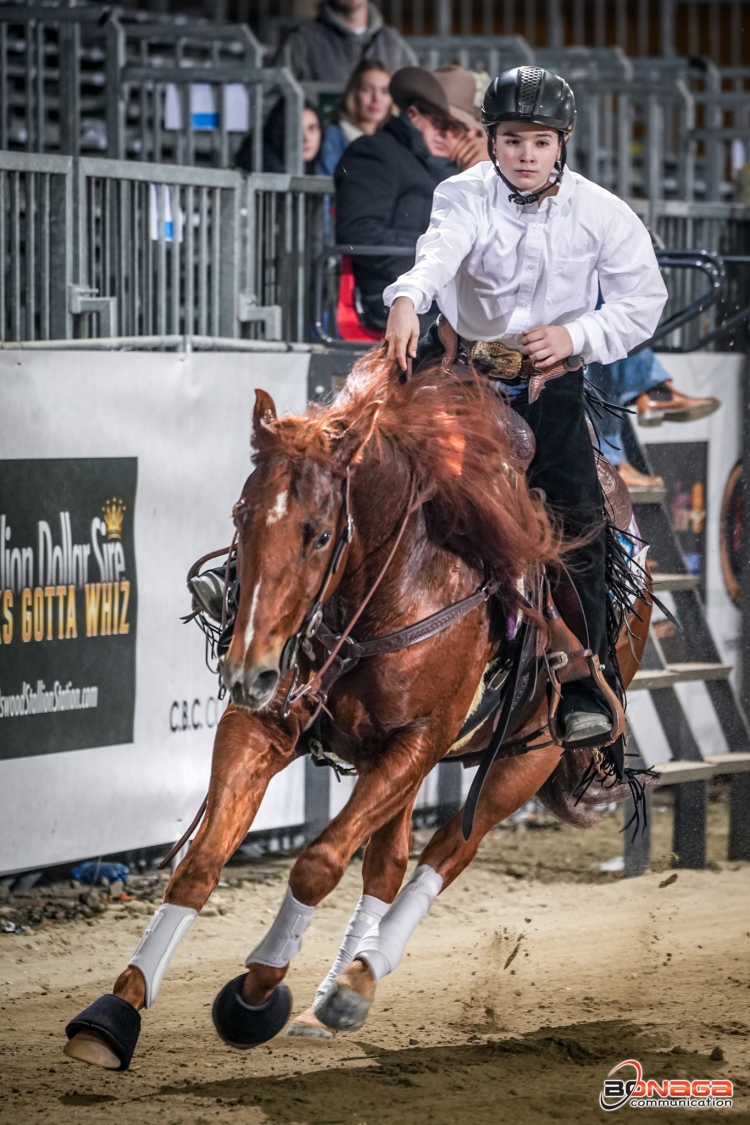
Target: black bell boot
point(243, 1026)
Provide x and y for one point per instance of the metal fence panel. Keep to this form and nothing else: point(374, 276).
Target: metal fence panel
point(123, 249)
point(163, 241)
point(185, 114)
point(287, 224)
point(36, 246)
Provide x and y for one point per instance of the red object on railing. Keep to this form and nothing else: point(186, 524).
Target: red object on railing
point(349, 325)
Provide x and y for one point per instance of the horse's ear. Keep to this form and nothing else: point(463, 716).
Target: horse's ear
point(348, 446)
point(264, 413)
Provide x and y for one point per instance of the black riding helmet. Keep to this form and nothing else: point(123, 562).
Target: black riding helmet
point(536, 96)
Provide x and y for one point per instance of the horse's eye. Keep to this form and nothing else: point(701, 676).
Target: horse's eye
point(322, 541)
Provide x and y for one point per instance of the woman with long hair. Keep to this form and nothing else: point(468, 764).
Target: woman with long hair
point(365, 106)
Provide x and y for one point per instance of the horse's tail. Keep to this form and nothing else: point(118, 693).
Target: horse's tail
point(566, 793)
point(557, 793)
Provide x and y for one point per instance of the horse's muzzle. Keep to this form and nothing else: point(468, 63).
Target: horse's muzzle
point(251, 689)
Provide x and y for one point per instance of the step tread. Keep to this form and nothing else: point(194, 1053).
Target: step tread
point(729, 763)
point(649, 679)
point(648, 495)
point(664, 581)
point(675, 772)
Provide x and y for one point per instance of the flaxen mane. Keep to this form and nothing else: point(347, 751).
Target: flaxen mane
point(446, 435)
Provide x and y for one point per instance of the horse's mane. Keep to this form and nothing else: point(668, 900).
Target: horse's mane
point(442, 434)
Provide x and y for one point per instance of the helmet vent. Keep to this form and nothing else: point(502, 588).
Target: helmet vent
point(530, 81)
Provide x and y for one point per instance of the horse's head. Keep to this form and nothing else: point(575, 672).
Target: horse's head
point(289, 518)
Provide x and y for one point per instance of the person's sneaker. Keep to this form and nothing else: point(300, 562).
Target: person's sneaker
point(666, 404)
point(208, 591)
point(636, 481)
point(584, 726)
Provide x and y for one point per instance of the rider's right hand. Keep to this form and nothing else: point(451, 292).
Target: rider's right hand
point(402, 331)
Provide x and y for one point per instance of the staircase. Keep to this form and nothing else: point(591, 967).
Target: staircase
point(688, 656)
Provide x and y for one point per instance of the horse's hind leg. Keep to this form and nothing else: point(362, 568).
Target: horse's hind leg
point(385, 862)
point(509, 784)
point(247, 754)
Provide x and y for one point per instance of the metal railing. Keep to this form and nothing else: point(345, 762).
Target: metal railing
point(93, 247)
point(83, 81)
point(80, 81)
point(721, 229)
point(192, 116)
point(36, 246)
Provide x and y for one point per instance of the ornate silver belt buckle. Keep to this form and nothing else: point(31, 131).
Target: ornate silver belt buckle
point(503, 362)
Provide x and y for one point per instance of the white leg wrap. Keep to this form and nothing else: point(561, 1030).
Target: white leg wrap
point(366, 916)
point(156, 948)
point(383, 948)
point(283, 940)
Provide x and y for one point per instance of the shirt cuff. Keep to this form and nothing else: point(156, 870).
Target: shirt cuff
point(577, 337)
point(416, 296)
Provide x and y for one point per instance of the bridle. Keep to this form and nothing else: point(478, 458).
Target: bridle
point(314, 616)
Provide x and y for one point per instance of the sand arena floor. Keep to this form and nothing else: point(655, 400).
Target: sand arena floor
point(531, 977)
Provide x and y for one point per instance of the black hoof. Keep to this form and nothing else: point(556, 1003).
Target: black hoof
point(115, 1020)
point(243, 1027)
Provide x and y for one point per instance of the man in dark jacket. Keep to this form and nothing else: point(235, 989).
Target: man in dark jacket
point(384, 185)
point(328, 48)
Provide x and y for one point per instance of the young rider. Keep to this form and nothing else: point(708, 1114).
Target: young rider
point(516, 255)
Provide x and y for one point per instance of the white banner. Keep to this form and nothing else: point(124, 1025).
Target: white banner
point(176, 429)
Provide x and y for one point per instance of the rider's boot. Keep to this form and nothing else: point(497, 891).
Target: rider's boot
point(584, 713)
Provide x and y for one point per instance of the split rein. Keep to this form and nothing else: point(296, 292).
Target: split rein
point(320, 683)
point(317, 687)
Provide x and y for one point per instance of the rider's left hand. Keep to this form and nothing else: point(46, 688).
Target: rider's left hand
point(548, 345)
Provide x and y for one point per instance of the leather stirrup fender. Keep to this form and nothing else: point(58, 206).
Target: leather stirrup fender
point(449, 339)
point(537, 382)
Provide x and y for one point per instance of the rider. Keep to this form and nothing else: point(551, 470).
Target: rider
point(516, 254)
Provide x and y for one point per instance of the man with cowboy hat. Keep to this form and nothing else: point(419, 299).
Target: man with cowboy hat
point(385, 183)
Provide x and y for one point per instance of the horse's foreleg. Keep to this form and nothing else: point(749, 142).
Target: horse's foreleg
point(247, 754)
point(383, 869)
point(382, 792)
point(509, 784)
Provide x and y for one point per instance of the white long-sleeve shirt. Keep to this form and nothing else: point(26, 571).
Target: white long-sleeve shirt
point(497, 269)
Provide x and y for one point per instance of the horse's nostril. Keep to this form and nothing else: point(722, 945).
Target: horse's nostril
point(265, 682)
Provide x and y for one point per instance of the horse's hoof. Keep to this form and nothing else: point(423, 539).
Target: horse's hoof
point(308, 1026)
point(104, 1034)
point(243, 1026)
point(89, 1047)
point(342, 1009)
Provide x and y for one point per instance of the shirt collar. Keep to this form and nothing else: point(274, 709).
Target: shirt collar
point(548, 204)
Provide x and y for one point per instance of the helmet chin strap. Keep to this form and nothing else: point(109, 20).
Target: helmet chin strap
point(525, 199)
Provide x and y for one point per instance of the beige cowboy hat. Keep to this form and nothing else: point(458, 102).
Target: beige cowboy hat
point(460, 89)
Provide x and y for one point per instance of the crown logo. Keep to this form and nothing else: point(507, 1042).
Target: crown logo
point(114, 511)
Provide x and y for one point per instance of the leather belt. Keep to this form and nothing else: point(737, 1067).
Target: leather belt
point(496, 360)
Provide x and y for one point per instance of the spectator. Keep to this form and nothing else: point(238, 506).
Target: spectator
point(344, 32)
point(641, 383)
point(384, 185)
point(364, 107)
point(274, 137)
point(461, 89)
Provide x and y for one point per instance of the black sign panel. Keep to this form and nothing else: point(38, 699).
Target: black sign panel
point(68, 604)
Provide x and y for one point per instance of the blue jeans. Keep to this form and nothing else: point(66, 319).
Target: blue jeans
point(620, 383)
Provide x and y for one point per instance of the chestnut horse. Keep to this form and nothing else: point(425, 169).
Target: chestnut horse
point(438, 506)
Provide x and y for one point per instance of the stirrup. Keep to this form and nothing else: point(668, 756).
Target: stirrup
point(563, 667)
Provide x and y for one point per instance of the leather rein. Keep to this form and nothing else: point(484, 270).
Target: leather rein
point(313, 627)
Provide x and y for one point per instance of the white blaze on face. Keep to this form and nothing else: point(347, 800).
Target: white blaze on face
point(250, 627)
point(279, 509)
